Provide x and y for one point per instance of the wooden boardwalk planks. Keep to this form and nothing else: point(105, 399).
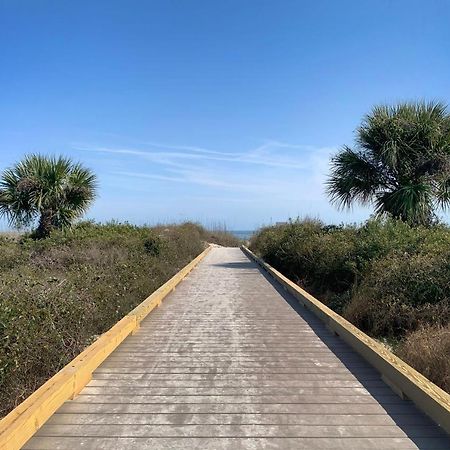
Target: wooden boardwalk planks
point(229, 361)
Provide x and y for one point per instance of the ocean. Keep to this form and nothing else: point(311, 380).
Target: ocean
point(242, 234)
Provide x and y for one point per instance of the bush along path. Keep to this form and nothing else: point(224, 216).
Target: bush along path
point(389, 279)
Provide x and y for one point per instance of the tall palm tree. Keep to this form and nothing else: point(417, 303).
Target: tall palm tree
point(55, 191)
point(400, 163)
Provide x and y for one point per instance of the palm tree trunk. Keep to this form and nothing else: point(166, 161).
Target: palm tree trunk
point(45, 226)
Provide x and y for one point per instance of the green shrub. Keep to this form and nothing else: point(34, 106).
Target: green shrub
point(153, 245)
point(319, 257)
point(404, 291)
point(331, 261)
point(322, 259)
point(58, 294)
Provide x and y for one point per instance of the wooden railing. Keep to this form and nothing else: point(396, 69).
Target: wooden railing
point(402, 378)
point(21, 423)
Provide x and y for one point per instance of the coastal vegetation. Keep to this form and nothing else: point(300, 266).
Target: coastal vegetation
point(388, 278)
point(58, 294)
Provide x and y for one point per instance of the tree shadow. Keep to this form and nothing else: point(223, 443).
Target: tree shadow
point(420, 429)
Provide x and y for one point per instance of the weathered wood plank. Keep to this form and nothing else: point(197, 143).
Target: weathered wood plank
point(187, 409)
point(243, 431)
point(259, 378)
point(233, 391)
point(301, 383)
point(223, 399)
point(359, 373)
point(241, 419)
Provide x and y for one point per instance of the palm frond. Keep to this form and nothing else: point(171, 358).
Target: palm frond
point(410, 203)
point(354, 177)
point(443, 192)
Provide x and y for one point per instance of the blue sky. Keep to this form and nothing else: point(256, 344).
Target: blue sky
point(222, 112)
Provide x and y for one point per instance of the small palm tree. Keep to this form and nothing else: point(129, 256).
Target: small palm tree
point(55, 191)
point(400, 164)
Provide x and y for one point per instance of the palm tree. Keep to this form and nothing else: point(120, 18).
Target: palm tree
point(55, 191)
point(400, 163)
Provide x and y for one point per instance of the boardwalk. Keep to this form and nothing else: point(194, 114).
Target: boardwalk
point(229, 362)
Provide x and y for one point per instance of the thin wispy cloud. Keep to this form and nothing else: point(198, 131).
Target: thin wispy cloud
point(282, 178)
point(188, 148)
point(214, 181)
point(268, 154)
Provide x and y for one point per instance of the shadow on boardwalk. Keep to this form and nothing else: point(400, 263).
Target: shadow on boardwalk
point(397, 408)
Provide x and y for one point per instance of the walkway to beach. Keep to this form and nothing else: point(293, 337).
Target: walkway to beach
point(229, 361)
